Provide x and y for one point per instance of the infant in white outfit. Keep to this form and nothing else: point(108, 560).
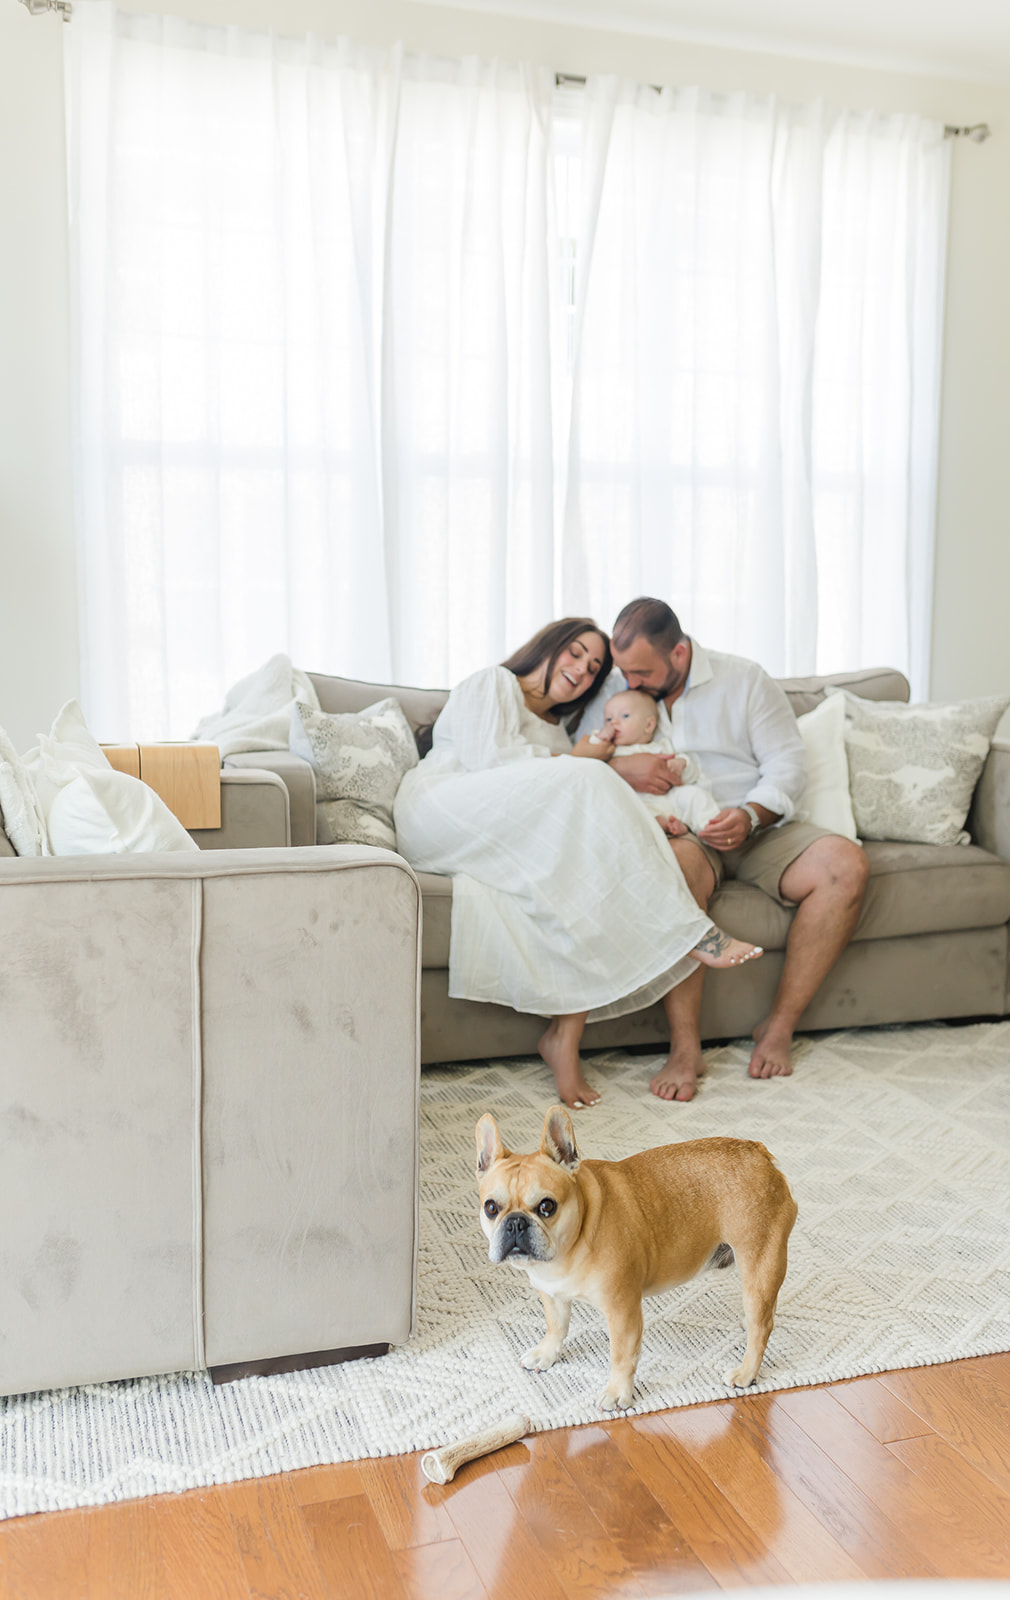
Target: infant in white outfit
point(630, 721)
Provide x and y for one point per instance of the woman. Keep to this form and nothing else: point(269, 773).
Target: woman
point(567, 900)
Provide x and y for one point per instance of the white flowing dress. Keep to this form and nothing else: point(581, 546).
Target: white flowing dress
point(566, 895)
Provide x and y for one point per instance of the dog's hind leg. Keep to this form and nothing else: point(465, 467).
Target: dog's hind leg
point(761, 1280)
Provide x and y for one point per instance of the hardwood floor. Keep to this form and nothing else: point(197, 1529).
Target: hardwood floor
point(902, 1475)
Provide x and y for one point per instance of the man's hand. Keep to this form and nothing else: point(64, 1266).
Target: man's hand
point(648, 774)
point(732, 827)
point(728, 830)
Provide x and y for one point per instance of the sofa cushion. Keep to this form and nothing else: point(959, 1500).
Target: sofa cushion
point(872, 683)
point(6, 848)
point(421, 706)
point(913, 888)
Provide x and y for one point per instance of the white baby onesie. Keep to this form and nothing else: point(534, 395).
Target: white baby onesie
point(689, 801)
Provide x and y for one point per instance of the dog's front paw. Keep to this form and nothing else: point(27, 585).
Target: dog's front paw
point(737, 1379)
point(616, 1397)
point(541, 1357)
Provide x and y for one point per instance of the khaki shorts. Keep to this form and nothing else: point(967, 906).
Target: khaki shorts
point(764, 857)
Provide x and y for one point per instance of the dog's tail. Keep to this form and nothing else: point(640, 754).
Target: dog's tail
point(722, 1256)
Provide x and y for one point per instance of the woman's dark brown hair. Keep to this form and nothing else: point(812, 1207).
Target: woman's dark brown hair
point(546, 646)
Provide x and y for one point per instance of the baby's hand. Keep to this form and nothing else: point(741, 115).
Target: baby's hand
point(675, 766)
point(672, 826)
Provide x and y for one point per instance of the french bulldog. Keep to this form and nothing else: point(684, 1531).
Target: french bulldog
point(610, 1232)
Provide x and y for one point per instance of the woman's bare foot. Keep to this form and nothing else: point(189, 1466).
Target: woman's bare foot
point(561, 1053)
point(717, 949)
point(679, 1077)
point(770, 1058)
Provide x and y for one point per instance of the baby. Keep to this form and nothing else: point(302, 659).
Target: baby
point(630, 721)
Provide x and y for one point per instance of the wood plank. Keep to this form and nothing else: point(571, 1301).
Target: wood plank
point(939, 1527)
point(275, 1546)
point(966, 1407)
point(441, 1571)
point(355, 1560)
point(729, 1549)
point(188, 779)
point(124, 1559)
point(196, 1537)
point(124, 757)
point(989, 1369)
point(879, 1410)
point(737, 1463)
point(983, 1510)
point(47, 1556)
point(407, 1516)
point(582, 1556)
point(652, 1546)
point(309, 1485)
point(498, 1540)
point(878, 1545)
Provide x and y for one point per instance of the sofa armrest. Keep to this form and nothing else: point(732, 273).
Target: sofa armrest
point(299, 779)
point(989, 817)
point(255, 813)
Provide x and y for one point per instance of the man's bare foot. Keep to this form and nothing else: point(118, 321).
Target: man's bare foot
point(717, 949)
point(678, 1079)
point(770, 1058)
point(566, 1066)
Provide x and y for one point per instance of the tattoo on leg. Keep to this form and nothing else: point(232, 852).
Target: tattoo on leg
point(714, 943)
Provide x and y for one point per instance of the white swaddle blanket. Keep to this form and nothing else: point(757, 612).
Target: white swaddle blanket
point(257, 710)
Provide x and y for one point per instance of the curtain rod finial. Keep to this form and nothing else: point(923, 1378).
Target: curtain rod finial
point(978, 133)
point(37, 8)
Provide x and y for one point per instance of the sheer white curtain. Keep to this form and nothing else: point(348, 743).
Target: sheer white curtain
point(383, 361)
point(312, 391)
point(755, 373)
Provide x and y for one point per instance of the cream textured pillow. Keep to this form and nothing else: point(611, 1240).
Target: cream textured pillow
point(359, 758)
point(826, 799)
point(90, 808)
point(913, 769)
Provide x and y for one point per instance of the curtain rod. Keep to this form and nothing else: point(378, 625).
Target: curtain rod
point(978, 132)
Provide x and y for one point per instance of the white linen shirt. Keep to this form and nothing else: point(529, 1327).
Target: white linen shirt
point(738, 722)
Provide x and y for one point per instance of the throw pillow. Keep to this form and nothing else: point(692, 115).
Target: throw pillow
point(826, 799)
point(90, 808)
point(913, 769)
point(359, 758)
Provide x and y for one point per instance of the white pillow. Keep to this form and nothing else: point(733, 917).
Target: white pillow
point(90, 808)
point(826, 799)
point(913, 769)
point(359, 758)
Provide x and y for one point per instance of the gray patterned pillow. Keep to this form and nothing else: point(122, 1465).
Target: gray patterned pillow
point(359, 758)
point(913, 769)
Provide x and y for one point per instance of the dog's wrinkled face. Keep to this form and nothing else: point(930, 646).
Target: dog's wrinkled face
point(529, 1204)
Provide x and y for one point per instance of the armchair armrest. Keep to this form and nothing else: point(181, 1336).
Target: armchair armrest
point(989, 817)
point(255, 813)
point(299, 779)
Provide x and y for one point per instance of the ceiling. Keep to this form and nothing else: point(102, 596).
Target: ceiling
point(942, 38)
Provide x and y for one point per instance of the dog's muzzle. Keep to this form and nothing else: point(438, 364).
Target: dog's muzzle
point(514, 1236)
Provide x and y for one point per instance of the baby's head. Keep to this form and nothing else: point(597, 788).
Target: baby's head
point(630, 717)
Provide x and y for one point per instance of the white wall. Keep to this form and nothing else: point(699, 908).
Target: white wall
point(38, 626)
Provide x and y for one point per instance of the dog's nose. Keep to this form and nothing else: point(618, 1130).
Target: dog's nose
point(515, 1227)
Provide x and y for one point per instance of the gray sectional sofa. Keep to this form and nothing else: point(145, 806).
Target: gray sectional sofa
point(932, 940)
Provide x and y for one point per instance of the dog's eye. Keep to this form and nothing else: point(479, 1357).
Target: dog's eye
point(547, 1207)
point(491, 1208)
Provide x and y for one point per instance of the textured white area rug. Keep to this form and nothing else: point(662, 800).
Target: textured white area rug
point(896, 1143)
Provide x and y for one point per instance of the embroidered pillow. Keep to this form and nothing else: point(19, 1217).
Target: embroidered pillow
point(826, 799)
point(359, 758)
point(913, 769)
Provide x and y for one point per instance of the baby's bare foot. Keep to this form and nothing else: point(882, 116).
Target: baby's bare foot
point(673, 826)
point(717, 949)
point(566, 1066)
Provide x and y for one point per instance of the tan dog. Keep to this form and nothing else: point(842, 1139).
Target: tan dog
point(610, 1232)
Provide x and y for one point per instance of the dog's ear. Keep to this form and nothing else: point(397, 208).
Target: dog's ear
point(489, 1146)
point(558, 1142)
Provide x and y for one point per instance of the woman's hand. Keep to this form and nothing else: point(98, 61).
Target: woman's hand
point(600, 748)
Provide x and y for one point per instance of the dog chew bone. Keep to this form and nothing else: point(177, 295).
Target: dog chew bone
point(441, 1466)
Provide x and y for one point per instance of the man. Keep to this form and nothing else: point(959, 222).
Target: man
point(738, 722)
